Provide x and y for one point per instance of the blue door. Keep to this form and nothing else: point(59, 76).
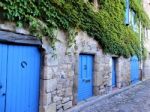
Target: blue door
point(114, 81)
point(3, 72)
point(85, 82)
point(134, 69)
point(20, 83)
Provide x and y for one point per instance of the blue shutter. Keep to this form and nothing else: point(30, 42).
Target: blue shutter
point(127, 12)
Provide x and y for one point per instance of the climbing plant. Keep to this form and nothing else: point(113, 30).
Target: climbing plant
point(105, 25)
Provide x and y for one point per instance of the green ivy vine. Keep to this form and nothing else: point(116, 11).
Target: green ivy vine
point(106, 25)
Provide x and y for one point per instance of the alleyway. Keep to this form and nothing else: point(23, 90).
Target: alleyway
point(136, 99)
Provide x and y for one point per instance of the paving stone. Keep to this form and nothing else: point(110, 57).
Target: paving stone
point(136, 99)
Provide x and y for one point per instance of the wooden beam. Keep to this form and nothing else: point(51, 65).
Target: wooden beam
point(11, 37)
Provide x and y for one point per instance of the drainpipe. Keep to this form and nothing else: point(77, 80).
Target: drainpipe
point(141, 60)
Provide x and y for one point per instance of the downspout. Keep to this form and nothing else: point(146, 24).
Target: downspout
point(141, 60)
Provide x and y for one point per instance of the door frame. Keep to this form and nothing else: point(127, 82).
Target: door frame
point(75, 84)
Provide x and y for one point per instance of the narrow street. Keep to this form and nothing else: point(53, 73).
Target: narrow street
point(136, 99)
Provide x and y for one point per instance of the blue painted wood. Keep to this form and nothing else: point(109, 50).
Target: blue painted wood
point(3, 72)
point(85, 77)
point(134, 69)
point(22, 79)
point(127, 20)
point(114, 62)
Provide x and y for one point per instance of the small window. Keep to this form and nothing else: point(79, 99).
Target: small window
point(133, 20)
point(147, 33)
point(127, 12)
point(149, 55)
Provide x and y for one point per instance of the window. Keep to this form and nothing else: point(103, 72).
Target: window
point(149, 55)
point(147, 33)
point(130, 17)
point(133, 21)
point(127, 12)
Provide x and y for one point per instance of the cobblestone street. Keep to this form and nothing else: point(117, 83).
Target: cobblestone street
point(136, 99)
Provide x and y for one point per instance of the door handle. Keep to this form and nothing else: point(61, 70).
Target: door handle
point(84, 80)
point(88, 80)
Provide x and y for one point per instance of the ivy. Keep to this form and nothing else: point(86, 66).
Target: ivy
point(105, 25)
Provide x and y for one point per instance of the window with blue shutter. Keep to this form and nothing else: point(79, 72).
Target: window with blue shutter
point(127, 12)
point(130, 18)
point(133, 21)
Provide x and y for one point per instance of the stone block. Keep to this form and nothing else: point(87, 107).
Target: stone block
point(57, 98)
point(60, 110)
point(97, 67)
point(48, 108)
point(96, 90)
point(49, 85)
point(47, 73)
point(60, 92)
point(22, 31)
point(8, 26)
point(50, 60)
point(68, 91)
point(98, 79)
point(67, 105)
point(59, 106)
point(65, 100)
point(45, 99)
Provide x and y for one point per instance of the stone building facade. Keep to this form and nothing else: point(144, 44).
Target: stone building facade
point(59, 80)
point(146, 63)
point(59, 73)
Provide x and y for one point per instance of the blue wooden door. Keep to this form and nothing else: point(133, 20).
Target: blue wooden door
point(134, 69)
point(85, 82)
point(21, 79)
point(3, 72)
point(114, 62)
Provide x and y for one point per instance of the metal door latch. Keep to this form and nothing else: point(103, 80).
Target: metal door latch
point(87, 81)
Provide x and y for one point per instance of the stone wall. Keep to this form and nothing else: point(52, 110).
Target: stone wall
point(59, 73)
point(123, 72)
point(146, 62)
point(146, 69)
